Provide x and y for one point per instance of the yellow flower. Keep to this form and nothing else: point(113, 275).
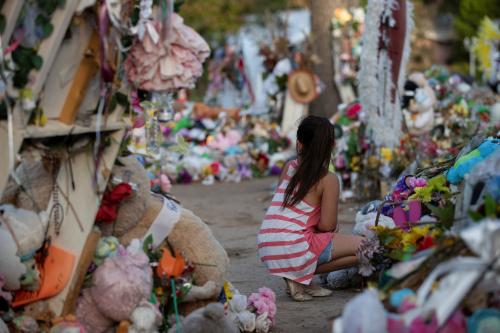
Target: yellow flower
point(386, 154)
point(342, 15)
point(207, 170)
point(355, 161)
point(411, 237)
point(373, 162)
point(488, 34)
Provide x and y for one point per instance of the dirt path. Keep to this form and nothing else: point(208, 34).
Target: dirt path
point(234, 213)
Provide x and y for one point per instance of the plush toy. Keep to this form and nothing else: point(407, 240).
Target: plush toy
point(145, 319)
point(119, 286)
point(27, 230)
point(36, 177)
point(465, 163)
point(201, 111)
point(418, 102)
point(208, 319)
point(190, 236)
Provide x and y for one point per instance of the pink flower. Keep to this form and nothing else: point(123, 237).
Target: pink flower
point(417, 182)
point(261, 306)
point(272, 311)
point(253, 298)
point(267, 293)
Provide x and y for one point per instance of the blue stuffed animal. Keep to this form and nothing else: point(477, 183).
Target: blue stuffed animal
point(466, 163)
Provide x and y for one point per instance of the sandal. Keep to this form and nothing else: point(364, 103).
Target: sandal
point(317, 291)
point(296, 291)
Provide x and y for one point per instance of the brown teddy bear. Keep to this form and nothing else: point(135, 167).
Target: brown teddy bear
point(190, 236)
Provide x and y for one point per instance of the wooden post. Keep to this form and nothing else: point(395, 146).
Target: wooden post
point(81, 270)
point(85, 73)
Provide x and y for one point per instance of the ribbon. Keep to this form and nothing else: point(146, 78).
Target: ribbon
point(163, 224)
point(107, 72)
point(14, 45)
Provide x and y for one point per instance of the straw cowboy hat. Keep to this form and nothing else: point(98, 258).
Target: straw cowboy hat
point(302, 86)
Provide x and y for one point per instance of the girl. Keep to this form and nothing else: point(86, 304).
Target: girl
point(298, 236)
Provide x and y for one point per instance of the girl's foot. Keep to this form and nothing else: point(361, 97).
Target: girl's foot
point(297, 291)
point(317, 291)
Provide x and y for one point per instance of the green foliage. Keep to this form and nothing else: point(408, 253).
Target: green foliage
point(445, 214)
point(215, 18)
point(490, 209)
point(469, 13)
point(50, 6)
point(119, 98)
point(43, 22)
point(25, 59)
point(435, 186)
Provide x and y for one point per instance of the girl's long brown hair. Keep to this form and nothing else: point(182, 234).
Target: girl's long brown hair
point(316, 134)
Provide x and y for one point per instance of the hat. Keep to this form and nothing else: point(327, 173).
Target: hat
point(302, 86)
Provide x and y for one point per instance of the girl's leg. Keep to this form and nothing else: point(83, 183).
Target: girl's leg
point(337, 264)
point(345, 245)
point(343, 253)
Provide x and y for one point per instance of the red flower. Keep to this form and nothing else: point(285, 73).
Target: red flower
point(111, 201)
point(425, 243)
point(215, 167)
point(120, 192)
point(353, 111)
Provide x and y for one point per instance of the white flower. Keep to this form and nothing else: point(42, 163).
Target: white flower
point(238, 303)
point(262, 323)
point(246, 321)
point(358, 14)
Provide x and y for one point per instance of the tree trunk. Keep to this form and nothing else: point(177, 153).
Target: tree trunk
point(321, 14)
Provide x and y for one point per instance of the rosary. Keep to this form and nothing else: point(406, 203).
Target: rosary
point(56, 212)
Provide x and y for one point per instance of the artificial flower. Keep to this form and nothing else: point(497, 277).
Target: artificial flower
point(110, 202)
point(263, 323)
point(386, 154)
point(342, 15)
point(436, 184)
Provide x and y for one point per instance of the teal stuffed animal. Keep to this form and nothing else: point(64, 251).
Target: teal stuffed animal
point(466, 163)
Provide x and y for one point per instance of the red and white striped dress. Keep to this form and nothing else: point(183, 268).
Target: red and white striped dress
point(288, 242)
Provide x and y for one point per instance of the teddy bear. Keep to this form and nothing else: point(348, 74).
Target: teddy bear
point(189, 236)
point(211, 318)
point(201, 110)
point(418, 103)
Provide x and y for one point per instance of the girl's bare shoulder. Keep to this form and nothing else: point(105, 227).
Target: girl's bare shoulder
point(330, 180)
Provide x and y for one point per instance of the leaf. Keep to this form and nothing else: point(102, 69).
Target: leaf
point(47, 30)
point(37, 62)
point(490, 206)
point(146, 246)
point(475, 216)
point(122, 99)
point(445, 215)
point(113, 103)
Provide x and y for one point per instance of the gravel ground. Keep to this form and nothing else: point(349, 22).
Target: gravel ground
point(234, 213)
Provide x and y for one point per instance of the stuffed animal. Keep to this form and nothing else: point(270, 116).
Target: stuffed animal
point(145, 319)
point(120, 285)
point(208, 319)
point(418, 104)
point(464, 164)
point(190, 236)
point(27, 230)
point(201, 111)
point(36, 177)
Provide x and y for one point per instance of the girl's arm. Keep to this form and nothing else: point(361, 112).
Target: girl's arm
point(329, 203)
